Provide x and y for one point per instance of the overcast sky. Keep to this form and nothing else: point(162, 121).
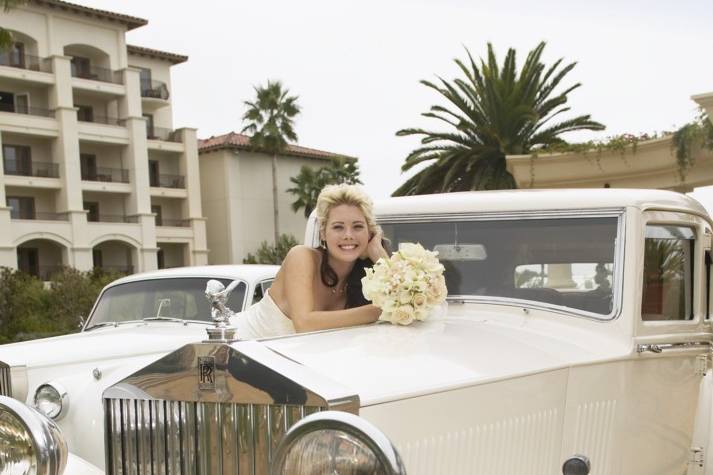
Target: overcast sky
point(355, 65)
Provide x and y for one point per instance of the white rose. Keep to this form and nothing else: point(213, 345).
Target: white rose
point(403, 315)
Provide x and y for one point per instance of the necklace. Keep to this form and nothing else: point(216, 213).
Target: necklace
point(336, 290)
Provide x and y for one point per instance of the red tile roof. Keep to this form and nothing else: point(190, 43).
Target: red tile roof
point(242, 141)
point(154, 53)
point(131, 22)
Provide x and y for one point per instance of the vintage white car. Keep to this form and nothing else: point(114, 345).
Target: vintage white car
point(577, 340)
point(134, 321)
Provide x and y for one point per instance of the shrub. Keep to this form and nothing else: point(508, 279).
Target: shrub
point(272, 254)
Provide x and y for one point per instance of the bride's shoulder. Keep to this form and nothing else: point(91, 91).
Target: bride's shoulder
point(302, 254)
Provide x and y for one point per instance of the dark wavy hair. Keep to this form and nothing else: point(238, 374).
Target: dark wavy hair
point(355, 296)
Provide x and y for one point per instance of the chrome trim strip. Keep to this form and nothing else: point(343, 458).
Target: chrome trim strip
point(5, 380)
point(684, 345)
point(497, 216)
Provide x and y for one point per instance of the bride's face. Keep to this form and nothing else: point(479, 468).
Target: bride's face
point(346, 233)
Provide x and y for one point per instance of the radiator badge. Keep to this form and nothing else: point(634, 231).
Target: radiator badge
point(206, 373)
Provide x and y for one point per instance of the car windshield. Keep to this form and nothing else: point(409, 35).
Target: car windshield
point(160, 299)
point(562, 261)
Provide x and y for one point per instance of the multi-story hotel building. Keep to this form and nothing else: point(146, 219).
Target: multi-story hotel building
point(93, 173)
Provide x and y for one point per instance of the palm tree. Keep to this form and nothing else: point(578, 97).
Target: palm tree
point(309, 182)
point(270, 123)
point(493, 111)
point(6, 39)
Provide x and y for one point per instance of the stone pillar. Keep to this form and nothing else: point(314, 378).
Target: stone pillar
point(137, 163)
point(189, 168)
point(559, 276)
point(8, 252)
point(66, 153)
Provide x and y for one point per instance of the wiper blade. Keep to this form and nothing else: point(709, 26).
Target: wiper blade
point(164, 319)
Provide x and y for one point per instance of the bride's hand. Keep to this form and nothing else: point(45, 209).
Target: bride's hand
point(374, 249)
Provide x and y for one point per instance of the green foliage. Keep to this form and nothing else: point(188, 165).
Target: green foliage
point(493, 110)
point(691, 138)
point(310, 182)
point(29, 309)
point(269, 254)
point(6, 39)
point(270, 117)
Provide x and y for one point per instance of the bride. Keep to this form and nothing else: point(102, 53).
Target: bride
point(318, 289)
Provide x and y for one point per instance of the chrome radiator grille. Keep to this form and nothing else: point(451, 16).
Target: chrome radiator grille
point(5, 380)
point(194, 438)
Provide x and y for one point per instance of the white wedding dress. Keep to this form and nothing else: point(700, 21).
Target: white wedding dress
point(262, 320)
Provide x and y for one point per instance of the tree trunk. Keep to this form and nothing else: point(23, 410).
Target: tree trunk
point(274, 198)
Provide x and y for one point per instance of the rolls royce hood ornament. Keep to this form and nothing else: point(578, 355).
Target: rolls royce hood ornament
point(217, 294)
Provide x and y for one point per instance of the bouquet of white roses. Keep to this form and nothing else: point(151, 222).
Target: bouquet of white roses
point(407, 286)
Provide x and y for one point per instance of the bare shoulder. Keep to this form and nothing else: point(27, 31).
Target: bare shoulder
point(301, 255)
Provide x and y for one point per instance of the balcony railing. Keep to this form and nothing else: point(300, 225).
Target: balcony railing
point(97, 73)
point(158, 133)
point(110, 175)
point(176, 223)
point(25, 61)
point(27, 110)
point(168, 181)
point(101, 119)
point(46, 272)
point(40, 216)
point(39, 169)
point(112, 218)
point(154, 90)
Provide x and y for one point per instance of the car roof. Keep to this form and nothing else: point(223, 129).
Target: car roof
point(249, 272)
point(536, 200)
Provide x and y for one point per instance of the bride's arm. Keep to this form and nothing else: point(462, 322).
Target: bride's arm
point(300, 271)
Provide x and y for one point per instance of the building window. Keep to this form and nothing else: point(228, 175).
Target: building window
point(85, 113)
point(21, 207)
point(668, 273)
point(17, 160)
point(28, 260)
point(92, 208)
point(88, 166)
point(81, 67)
point(150, 132)
point(97, 258)
point(154, 175)
point(160, 259)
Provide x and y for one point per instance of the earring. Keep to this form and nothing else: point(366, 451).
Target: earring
point(323, 244)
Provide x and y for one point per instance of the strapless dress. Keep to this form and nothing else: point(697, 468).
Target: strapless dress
point(262, 320)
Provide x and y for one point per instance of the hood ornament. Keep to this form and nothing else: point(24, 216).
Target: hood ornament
point(217, 295)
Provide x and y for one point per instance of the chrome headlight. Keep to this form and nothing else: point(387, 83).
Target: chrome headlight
point(52, 400)
point(29, 442)
point(335, 442)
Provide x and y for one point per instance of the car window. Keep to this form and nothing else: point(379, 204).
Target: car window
point(260, 289)
point(667, 292)
point(181, 298)
point(562, 261)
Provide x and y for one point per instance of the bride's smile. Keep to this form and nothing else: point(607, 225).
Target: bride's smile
point(346, 235)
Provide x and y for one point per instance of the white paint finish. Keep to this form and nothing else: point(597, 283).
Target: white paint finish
point(512, 426)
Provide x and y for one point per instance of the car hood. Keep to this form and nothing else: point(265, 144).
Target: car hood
point(385, 362)
point(131, 339)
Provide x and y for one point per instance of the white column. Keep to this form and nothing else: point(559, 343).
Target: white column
point(137, 162)
point(66, 153)
point(189, 168)
point(8, 252)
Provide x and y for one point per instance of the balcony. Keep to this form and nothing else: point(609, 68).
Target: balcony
point(107, 175)
point(166, 135)
point(111, 218)
point(33, 168)
point(37, 111)
point(154, 90)
point(96, 73)
point(174, 223)
point(100, 119)
point(39, 216)
point(25, 61)
point(167, 181)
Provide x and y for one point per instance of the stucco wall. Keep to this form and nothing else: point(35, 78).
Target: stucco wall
point(245, 191)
